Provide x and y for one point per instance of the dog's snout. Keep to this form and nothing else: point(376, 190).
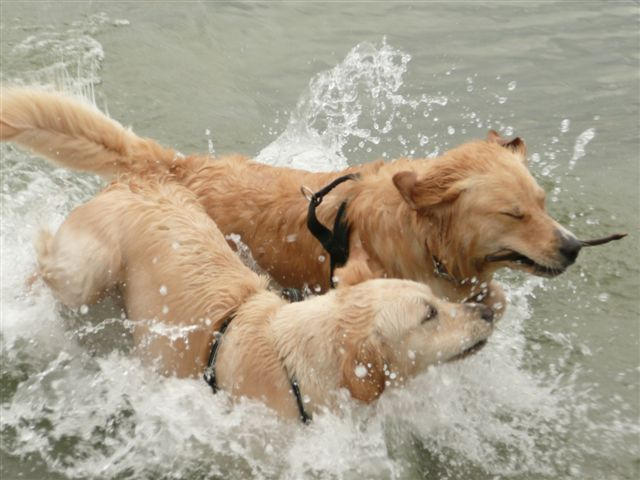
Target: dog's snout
point(485, 312)
point(569, 247)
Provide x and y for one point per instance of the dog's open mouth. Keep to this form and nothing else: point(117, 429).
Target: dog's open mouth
point(520, 259)
point(470, 351)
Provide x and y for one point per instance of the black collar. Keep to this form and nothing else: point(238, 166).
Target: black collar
point(441, 271)
point(476, 296)
point(210, 371)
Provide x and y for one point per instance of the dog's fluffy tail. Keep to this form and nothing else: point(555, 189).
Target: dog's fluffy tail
point(76, 135)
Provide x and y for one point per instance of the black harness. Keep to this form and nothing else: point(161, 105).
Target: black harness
point(210, 372)
point(336, 243)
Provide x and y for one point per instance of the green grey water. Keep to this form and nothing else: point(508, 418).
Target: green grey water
point(563, 378)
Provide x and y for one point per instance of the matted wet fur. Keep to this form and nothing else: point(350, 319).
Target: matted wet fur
point(154, 242)
point(471, 211)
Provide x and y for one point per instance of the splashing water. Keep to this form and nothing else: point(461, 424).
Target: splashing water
point(581, 142)
point(76, 402)
point(79, 58)
point(350, 107)
point(330, 111)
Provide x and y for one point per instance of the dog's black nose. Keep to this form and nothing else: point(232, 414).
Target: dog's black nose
point(486, 313)
point(569, 248)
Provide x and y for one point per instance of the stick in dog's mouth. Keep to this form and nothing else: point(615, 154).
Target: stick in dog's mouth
point(512, 256)
point(603, 240)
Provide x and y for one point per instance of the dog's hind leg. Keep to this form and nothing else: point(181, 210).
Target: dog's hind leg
point(82, 260)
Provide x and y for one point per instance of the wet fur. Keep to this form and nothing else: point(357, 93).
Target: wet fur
point(402, 214)
point(155, 243)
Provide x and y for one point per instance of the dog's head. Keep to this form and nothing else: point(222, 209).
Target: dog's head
point(480, 209)
point(397, 328)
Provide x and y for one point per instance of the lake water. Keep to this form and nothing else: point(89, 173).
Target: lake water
point(555, 394)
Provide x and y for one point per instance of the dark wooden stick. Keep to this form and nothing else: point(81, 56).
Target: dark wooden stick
point(603, 240)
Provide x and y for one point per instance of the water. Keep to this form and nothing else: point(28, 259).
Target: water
point(556, 392)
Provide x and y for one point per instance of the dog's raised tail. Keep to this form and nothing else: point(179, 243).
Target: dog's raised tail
point(76, 135)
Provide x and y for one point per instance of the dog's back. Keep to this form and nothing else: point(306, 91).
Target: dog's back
point(150, 237)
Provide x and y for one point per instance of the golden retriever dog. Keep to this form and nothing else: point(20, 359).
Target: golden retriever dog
point(155, 242)
point(449, 222)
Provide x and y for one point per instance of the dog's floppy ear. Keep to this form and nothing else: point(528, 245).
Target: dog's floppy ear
point(429, 190)
point(516, 145)
point(363, 373)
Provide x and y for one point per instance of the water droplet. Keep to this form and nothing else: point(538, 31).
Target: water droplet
point(84, 309)
point(292, 238)
point(360, 371)
point(512, 85)
point(451, 130)
point(579, 148)
point(603, 297)
point(564, 125)
point(321, 258)
point(165, 309)
point(163, 290)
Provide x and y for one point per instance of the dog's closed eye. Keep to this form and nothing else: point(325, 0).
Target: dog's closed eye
point(432, 312)
point(517, 215)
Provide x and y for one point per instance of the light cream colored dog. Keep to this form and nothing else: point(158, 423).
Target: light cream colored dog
point(155, 242)
point(449, 222)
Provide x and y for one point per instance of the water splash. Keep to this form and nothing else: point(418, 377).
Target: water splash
point(579, 148)
point(79, 57)
point(363, 88)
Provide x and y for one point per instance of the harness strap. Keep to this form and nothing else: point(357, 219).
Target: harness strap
point(336, 243)
point(304, 416)
point(210, 371)
point(209, 375)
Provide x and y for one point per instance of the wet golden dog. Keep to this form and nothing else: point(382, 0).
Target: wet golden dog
point(175, 269)
point(449, 222)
